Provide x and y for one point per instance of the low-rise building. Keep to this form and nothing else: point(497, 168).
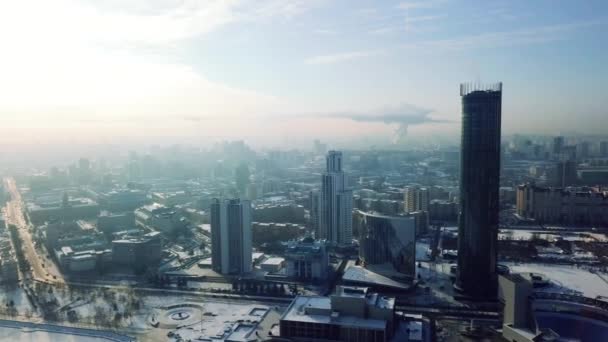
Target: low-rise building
point(352, 314)
point(137, 251)
point(122, 199)
point(273, 264)
point(72, 209)
point(111, 222)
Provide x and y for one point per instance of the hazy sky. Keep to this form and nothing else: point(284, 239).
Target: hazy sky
point(294, 69)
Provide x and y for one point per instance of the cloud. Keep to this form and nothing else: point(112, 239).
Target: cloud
point(343, 57)
point(531, 35)
point(414, 5)
point(404, 116)
point(325, 32)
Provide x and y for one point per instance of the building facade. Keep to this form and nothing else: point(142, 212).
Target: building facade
point(415, 199)
point(307, 260)
point(336, 223)
point(387, 240)
point(479, 196)
point(564, 206)
point(352, 314)
point(231, 236)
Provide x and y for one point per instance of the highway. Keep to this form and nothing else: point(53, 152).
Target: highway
point(42, 268)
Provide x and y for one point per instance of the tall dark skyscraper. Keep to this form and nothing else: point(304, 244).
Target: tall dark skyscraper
point(479, 182)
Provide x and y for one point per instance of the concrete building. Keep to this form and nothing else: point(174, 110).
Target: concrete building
point(137, 251)
point(70, 209)
point(159, 217)
point(231, 236)
point(558, 144)
point(603, 149)
point(122, 199)
point(307, 260)
point(291, 212)
point(336, 225)
point(109, 222)
point(315, 211)
point(563, 174)
point(443, 211)
point(352, 314)
point(273, 264)
point(566, 206)
point(82, 261)
point(479, 199)
point(387, 240)
point(415, 199)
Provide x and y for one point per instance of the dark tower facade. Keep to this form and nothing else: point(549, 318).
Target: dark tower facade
point(479, 182)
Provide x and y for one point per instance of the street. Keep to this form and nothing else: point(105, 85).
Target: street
point(43, 269)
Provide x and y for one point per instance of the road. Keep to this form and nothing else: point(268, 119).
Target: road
point(43, 269)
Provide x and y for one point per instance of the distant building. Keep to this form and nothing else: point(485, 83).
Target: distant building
point(231, 236)
point(137, 251)
point(315, 211)
point(291, 212)
point(415, 199)
point(603, 148)
point(566, 206)
point(443, 211)
point(558, 144)
point(594, 176)
point(583, 149)
point(159, 217)
point(352, 314)
point(82, 261)
point(109, 222)
point(307, 259)
point(336, 224)
point(563, 174)
point(62, 209)
point(387, 240)
point(122, 200)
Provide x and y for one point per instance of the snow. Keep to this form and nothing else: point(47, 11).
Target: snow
point(422, 249)
point(567, 279)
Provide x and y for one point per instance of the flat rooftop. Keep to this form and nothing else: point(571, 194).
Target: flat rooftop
point(297, 313)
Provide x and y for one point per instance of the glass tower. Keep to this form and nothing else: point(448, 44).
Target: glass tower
point(479, 182)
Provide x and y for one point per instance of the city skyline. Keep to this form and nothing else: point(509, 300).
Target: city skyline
point(377, 71)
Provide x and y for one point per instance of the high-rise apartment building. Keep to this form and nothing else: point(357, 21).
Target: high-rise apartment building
point(315, 211)
point(415, 199)
point(336, 203)
point(564, 174)
point(604, 148)
point(558, 144)
point(479, 196)
point(231, 236)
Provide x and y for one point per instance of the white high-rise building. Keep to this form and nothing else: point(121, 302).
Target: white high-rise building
point(416, 199)
point(231, 236)
point(336, 203)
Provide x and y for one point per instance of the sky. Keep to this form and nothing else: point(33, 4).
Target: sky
point(284, 71)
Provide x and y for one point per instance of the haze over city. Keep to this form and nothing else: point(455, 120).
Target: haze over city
point(303, 170)
point(269, 71)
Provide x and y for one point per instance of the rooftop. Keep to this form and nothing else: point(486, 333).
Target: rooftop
point(297, 311)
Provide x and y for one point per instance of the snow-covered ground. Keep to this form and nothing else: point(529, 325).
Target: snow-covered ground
point(24, 335)
point(422, 250)
point(567, 279)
